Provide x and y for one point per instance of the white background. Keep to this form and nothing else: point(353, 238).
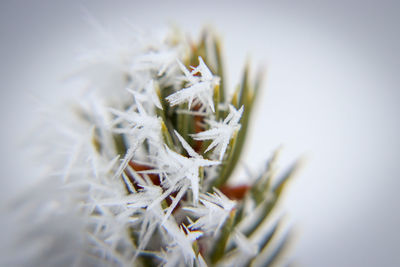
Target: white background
point(331, 94)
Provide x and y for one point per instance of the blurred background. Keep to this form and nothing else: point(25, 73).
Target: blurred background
point(331, 94)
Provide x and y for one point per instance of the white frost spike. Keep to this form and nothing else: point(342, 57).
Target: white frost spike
point(221, 132)
point(160, 61)
point(181, 244)
point(187, 147)
point(213, 212)
point(200, 89)
point(150, 223)
point(191, 166)
point(205, 72)
point(152, 89)
point(189, 77)
point(140, 125)
point(181, 172)
point(148, 94)
point(245, 246)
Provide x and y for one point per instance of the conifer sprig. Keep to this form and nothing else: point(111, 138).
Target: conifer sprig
point(152, 162)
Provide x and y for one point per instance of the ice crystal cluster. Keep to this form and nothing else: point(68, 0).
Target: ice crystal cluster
point(144, 160)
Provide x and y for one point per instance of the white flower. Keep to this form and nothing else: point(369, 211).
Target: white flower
point(213, 212)
point(221, 132)
point(200, 89)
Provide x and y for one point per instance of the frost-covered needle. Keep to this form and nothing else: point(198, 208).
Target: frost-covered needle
point(200, 89)
point(221, 132)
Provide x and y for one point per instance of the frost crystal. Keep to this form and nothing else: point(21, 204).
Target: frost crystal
point(213, 212)
point(200, 89)
point(221, 132)
point(130, 179)
point(181, 172)
point(141, 127)
point(180, 245)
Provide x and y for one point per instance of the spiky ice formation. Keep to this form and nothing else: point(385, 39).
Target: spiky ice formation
point(146, 163)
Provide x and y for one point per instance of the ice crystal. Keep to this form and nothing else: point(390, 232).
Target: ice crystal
point(132, 168)
point(221, 132)
point(212, 213)
point(199, 89)
point(181, 173)
point(180, 245)
point(141, 127)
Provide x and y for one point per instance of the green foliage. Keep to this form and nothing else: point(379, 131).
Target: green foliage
point(267, 190)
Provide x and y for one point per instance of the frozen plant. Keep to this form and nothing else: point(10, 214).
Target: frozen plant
point(146, 163)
